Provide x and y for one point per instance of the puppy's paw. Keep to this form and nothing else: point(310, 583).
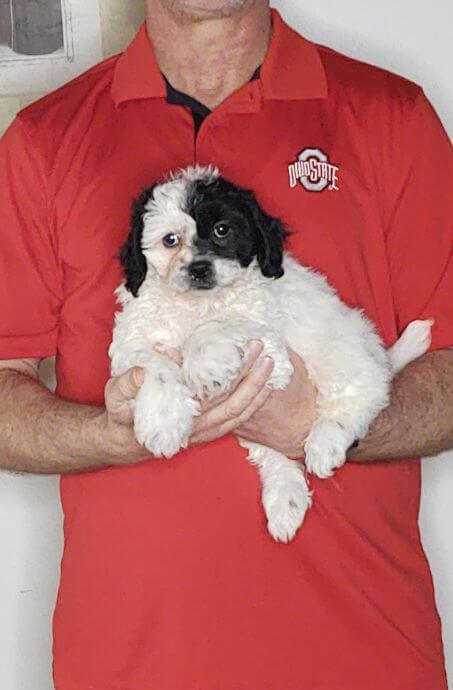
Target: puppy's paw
point(210, 368)
point(285, 504)
point(414, 342)
point(163, 421)
point(281, 373)
point(325, 448)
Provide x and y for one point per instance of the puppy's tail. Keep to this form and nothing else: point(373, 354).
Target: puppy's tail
point(413, 342)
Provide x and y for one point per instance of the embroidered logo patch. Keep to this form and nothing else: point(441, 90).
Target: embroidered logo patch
point(314, 171)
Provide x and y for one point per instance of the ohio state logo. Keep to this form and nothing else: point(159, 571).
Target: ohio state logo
point(314, 172)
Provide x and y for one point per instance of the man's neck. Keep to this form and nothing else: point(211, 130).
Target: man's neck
point(209, 59)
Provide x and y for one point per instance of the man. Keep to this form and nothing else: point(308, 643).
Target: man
point(169, 578)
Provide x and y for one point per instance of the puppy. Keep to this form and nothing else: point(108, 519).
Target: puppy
point(205, 273)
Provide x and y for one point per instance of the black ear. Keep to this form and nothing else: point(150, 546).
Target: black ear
point(270, 235)
point(132, 257)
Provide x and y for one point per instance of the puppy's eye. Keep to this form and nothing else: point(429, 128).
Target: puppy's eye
point(221, 230)
point(171, 240)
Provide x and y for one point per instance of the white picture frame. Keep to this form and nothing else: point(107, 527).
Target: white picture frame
point(82, 48)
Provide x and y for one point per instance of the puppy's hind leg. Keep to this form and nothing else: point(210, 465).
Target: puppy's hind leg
point(327, 444)
point(413, 342)
point(347, 402)
point(285, 493)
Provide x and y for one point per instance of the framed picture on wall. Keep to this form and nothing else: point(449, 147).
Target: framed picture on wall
point(44, 43)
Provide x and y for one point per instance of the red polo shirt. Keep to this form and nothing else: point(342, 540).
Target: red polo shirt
point(169, 578)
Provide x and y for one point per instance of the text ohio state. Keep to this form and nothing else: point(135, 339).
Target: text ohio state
point(313, 171)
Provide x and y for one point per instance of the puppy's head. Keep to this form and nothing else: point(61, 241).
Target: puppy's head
point(199, 231)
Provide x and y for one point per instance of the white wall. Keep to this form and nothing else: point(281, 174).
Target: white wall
point(411, 37)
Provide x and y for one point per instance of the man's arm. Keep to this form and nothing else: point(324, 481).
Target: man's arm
point(419, 419)
point(42, 433)
point(417, 422)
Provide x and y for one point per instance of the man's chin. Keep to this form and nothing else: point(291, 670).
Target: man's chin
point(199, 10)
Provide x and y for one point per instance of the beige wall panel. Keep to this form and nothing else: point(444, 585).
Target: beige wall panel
point(10, 105)
point(120, 20)
point(8, 108)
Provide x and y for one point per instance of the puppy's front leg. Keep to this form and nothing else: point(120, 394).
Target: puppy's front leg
point(164, 408)
point(212, 358)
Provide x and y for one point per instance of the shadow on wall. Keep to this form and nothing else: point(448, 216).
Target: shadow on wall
point(31, 27)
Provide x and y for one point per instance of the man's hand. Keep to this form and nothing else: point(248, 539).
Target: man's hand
point(118, 417)
point(219, 416)
point(247, 395)
point(284, 420)
point(279, 419)
point(119, 391)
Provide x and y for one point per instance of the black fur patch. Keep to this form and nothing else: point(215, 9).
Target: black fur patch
point(255, 232)
point(132, 257)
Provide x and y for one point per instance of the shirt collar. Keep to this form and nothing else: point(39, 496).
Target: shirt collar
point(292, 69)
point(137, 74)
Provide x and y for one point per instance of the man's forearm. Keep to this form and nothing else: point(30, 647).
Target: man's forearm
point(419, 419)
point(42, 433)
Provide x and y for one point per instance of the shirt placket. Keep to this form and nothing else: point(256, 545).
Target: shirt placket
point(215, 136)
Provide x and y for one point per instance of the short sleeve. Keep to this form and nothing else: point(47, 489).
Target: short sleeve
point(29, 268)
point(419, 220)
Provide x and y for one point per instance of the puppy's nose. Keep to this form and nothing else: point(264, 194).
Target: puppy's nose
point(200, 270)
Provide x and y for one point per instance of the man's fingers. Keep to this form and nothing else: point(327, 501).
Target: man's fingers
point(126, 386)
point(254, 349)
point(227, 427)
point(244, 394)
point(237, 402)
point(131, 381)
point(248, 412)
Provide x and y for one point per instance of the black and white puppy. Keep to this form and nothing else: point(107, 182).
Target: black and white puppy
point(205, 273)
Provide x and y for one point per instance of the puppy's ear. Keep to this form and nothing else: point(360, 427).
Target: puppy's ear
point(270, 235)
point(132, 257)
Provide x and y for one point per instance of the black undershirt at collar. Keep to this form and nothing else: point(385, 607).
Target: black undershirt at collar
point(199, 111)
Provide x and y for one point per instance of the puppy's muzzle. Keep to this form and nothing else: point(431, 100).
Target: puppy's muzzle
point(201, 274)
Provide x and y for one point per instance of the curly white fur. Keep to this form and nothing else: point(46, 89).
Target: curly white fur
point(343, 355)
